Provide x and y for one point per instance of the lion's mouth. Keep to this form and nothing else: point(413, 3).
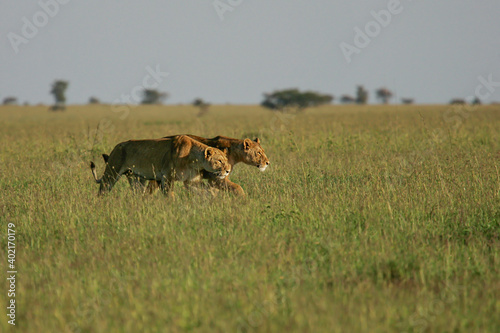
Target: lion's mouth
point(222, 175)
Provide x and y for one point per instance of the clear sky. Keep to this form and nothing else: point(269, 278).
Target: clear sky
point(429, 50)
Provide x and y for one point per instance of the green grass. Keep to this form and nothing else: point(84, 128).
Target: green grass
point(369, 219)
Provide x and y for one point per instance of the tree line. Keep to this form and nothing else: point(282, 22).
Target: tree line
point(287, 100)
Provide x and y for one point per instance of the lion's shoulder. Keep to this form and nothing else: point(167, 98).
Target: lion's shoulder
point(188, 141)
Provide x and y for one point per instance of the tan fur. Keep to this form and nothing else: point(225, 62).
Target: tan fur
point(247, 151)
point(162, 160)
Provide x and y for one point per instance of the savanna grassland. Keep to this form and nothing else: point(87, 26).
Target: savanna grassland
point(369, 219)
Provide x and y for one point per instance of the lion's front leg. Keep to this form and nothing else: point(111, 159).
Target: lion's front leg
point(194, 184)
point(190, 185)
point(227, 185)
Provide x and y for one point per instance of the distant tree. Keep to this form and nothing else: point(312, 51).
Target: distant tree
point(407, 100)
point(293, 99)
point(10, 100)
point(152, 96)
point(458, 101)
point(94, 100)
point(384, 95)
point(476, 101)
point(202, 105)
point(361, 95)
point(347, 99)
point(59, 91)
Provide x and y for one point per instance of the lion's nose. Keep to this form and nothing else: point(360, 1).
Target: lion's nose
point(267, 163)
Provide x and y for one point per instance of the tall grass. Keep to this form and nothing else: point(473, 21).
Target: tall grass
point(369, 219)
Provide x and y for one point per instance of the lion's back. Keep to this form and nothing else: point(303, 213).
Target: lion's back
point(141, 156)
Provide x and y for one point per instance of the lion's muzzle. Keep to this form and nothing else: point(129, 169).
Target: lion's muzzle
point(263, 167)
point(223, 174)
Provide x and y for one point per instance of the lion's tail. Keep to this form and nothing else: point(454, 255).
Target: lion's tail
point(94, 173)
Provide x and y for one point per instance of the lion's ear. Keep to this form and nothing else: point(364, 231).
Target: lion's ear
point(209, 152)
point(257, 140)
point(247, 143)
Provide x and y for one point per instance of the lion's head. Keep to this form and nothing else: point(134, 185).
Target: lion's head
point(253, 154)
point(216, 162)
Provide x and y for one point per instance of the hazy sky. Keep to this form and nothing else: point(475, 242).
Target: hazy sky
point(432, 50)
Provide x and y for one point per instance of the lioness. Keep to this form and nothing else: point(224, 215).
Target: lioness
point(163, 161)
point(247, 151)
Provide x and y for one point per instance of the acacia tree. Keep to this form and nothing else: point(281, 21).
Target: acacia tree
point(293, 99)
point(94, 100)
point(361, 95)
point(59, 92)
point(202, 105)
point(407, 100)
point(384, 95)
point(10, 100)
point(152, 96)
point(458, 101)
point(347, 99)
